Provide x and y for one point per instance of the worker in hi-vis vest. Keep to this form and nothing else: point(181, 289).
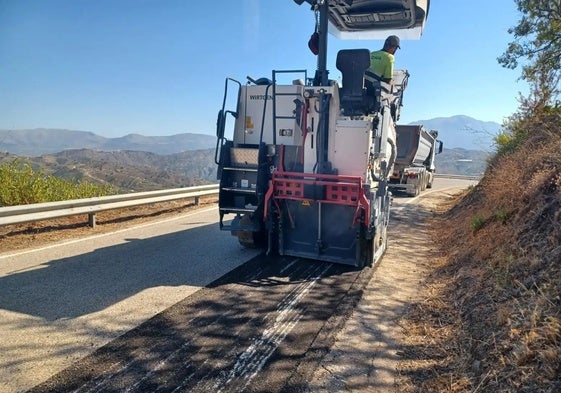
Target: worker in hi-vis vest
point(381, 62)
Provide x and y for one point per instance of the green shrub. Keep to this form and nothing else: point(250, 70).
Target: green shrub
point(477, 222)
point(514, 133)
point(502, 216)
point(21, 185)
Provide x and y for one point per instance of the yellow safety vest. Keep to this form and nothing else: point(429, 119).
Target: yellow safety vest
point(381, 64)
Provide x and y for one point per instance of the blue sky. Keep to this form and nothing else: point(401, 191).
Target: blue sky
point(157, 67)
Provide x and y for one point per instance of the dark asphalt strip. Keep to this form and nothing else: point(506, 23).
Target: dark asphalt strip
point(264, 327)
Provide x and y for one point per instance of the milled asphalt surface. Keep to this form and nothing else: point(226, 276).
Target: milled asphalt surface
point(259, 328)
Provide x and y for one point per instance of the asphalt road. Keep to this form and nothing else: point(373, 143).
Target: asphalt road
point(59, 303)
point(171, 306)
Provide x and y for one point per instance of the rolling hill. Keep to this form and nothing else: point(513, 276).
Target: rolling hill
point(126, 170)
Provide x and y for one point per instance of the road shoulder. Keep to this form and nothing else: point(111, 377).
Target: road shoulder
point(365, 355)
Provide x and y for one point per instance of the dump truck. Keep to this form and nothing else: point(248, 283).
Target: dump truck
point(305, 171)
point(414, 165)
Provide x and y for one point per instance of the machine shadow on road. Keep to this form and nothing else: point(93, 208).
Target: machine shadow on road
point(90, 282)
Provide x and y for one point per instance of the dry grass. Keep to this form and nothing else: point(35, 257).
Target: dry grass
point(491, 318)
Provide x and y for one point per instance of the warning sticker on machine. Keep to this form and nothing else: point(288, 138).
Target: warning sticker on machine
point(248, 122)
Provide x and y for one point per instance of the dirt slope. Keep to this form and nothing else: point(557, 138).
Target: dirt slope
point(489, 319)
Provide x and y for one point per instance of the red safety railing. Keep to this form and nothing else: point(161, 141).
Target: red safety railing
point(342, 190)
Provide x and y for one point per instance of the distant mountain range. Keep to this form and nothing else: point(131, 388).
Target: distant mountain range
point(41, 141)
point(464, 132)
point(455, 131)
point(140, 163)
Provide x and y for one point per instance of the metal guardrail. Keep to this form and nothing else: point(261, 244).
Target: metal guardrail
point(90, 206)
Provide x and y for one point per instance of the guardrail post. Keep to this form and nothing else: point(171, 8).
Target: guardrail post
point(197, 200)
point(91, 220)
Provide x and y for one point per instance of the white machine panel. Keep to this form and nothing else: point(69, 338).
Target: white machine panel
point(350, 147)
point(250, 118)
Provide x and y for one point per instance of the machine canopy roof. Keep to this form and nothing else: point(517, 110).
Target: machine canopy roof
point(376, 19)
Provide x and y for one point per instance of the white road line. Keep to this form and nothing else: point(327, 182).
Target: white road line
point(289, 265)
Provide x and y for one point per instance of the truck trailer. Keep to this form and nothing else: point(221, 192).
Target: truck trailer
point(306, 170)
point(414, 165)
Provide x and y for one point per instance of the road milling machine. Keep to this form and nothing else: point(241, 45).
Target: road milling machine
point(306, 172)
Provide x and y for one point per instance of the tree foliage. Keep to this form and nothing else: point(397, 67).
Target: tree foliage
point(534, 112)
point(537, 46)
point(537, 39)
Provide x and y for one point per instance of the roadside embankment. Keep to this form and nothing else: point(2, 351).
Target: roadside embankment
point(489, 318)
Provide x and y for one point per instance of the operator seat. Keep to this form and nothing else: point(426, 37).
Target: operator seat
point(355, 99)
